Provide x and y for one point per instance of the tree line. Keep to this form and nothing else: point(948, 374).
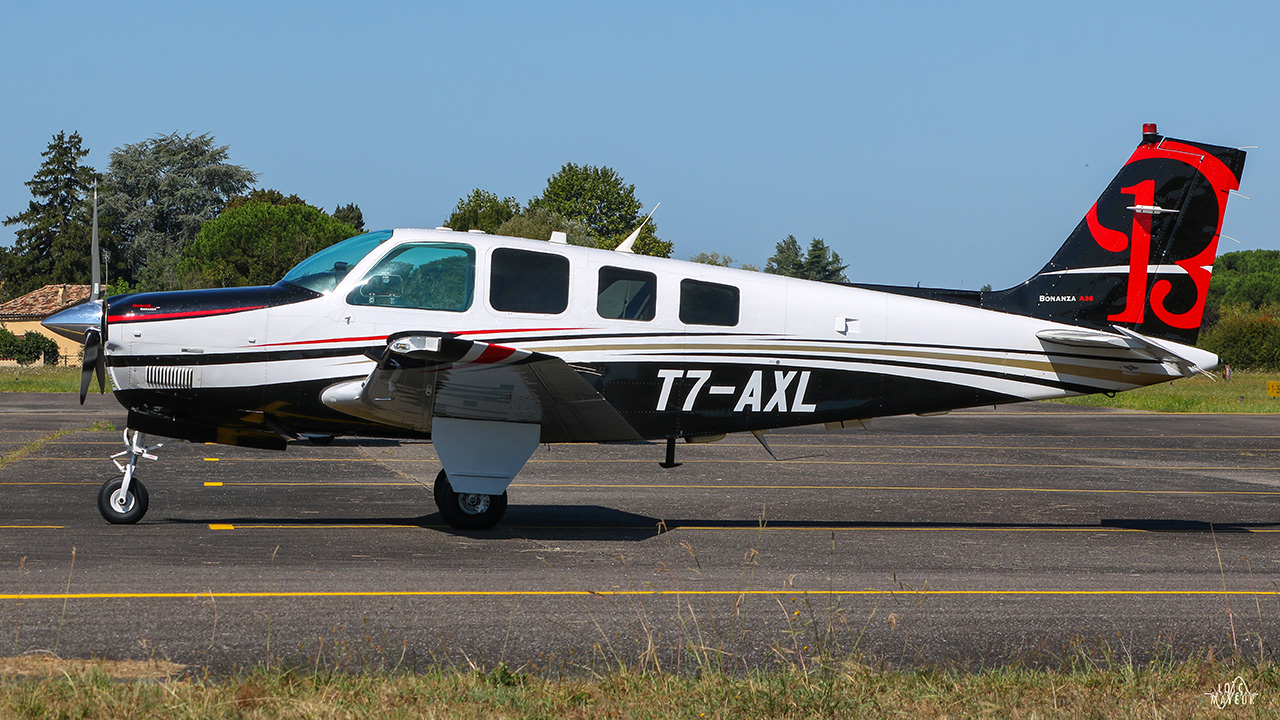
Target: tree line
point(174, 213)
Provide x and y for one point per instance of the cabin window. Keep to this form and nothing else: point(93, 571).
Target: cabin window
point(626, 294)
point(704, 303)
point(423, 276)
point(529, 282)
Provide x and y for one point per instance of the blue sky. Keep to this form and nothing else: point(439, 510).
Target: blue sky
point(951, 144)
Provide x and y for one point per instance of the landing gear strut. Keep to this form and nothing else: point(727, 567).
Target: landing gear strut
point(124, 501)
point(468, 511)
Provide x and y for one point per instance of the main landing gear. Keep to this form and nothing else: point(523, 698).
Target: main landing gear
point(124, 501)
point(468, 511)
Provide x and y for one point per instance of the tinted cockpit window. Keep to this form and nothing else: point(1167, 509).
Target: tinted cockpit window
point(424, 276)
point(626, 294)
point(324, 270)
point(704, 303)
point(529, 282)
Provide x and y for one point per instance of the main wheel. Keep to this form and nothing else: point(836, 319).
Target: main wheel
point(468, 511)
point(122, 508)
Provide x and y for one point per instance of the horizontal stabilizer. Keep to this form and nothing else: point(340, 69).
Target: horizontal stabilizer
point(1183, 360)
point(1083, 338)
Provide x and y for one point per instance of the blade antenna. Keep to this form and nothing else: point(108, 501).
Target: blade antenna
point(626, 245)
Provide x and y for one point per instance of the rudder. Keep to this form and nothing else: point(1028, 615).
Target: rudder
point(1143, 255)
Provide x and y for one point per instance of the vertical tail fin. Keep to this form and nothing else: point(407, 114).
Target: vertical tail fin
point(1143, 254)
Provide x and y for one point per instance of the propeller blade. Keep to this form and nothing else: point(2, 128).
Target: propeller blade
point(95, 278)
point(100, 367)
point(92, 355)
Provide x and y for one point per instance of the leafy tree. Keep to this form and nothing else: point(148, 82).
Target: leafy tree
point(713, 258)
point(267, 196)
point(36, 345)
point(53, 243)
point(161, 191)
point(539, 223)
point(1246, 337)
point(819, 263)
point(29, 348)
point(601, 199)
point(1246, 279)
point(256, 243)
point(351, 215)
point(8, 343)
point(482, 210)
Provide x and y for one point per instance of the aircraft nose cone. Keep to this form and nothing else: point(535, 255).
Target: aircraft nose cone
point(74, 321)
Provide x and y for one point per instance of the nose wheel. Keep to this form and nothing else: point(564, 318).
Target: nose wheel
point(468, 511)
point(120, 505)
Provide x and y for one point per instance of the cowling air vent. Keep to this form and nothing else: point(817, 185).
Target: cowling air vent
point(170, 378)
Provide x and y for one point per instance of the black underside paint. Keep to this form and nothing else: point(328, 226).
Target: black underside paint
point(267, 416)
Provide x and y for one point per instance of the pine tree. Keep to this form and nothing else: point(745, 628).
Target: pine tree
point(822, 263)
point(53, 243)
point(819, 263)
point(786, 259)
point(351, 215)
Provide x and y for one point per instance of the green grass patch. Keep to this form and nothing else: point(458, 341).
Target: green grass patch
point(41, 378)
point(1245, 393)
point(845, 689)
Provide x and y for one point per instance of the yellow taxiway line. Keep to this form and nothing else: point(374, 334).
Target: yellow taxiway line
point(628, 593)
point(774, 526)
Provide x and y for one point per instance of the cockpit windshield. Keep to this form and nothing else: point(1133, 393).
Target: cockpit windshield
point(323, 271)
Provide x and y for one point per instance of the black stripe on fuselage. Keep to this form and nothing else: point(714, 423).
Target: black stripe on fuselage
point(1058, 384)
point(238, 358)
point(836, 344)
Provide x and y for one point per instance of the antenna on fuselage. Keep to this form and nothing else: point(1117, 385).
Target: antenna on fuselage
point(626, 245)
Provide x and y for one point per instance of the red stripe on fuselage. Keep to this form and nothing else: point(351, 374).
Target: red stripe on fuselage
point(176, 315)
point(379, 338)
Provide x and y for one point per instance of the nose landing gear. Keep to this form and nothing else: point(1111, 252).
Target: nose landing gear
point(124, 501)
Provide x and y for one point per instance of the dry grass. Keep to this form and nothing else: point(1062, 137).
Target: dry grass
point(841, 689)
point(50, 666)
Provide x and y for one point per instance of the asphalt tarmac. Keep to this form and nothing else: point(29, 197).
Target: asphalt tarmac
point(1026, 533)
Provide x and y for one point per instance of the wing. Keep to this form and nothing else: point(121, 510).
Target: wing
point(422, 376)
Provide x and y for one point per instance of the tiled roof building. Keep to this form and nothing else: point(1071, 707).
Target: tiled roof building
point(40, 304)
point(22, 315)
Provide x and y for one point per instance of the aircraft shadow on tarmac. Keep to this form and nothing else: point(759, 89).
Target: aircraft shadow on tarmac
point(569, 522)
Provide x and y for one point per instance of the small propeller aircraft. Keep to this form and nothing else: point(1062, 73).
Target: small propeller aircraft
point(492, 345)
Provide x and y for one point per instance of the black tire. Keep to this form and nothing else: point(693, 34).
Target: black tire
point(467, 511)
point(135, 502)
